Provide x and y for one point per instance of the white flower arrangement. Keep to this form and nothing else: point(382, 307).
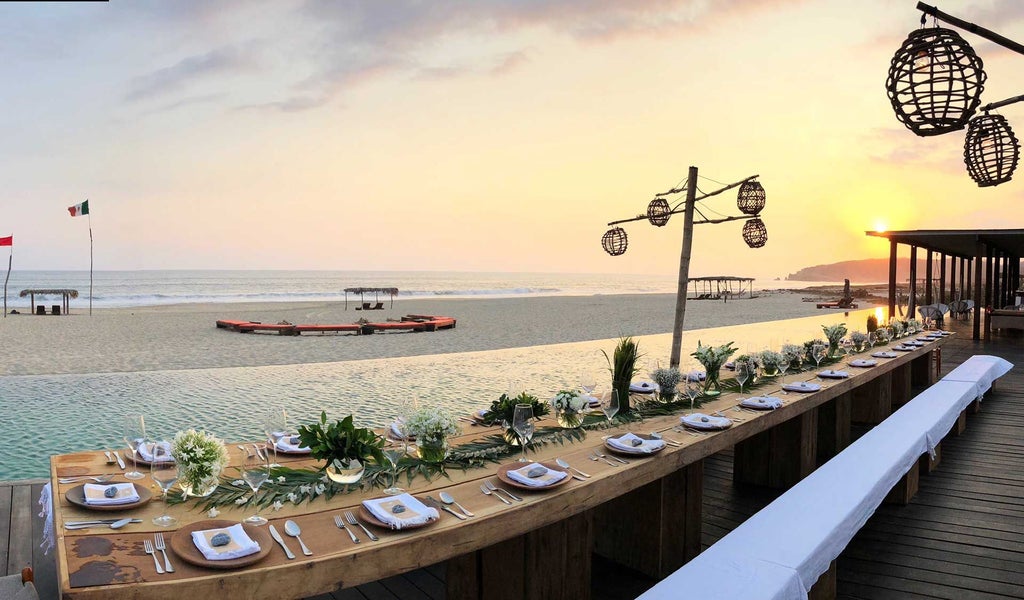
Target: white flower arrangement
point(859, 339)
point(432, 424)
point(770, 360)
point(795, 352)
point(568, 400)
point(713, 357)
point(834, 333)
point(667, 378)
point(200, 457)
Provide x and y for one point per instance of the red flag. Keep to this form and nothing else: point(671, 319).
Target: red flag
point(7, 241)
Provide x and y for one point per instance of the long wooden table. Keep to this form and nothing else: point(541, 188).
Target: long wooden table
point(645, 514)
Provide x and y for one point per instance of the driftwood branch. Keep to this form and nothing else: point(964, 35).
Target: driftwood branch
point(977, 30)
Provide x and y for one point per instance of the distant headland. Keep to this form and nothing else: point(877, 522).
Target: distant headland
point(868, 270)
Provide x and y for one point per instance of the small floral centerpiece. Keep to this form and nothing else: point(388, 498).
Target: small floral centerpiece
point(771, 362)
point(860, 340)
point(914, 325)
point(623, 367)
point(569, 406)
point(712, 358)
point(898, 329)
point(667, 380)
point(432, 427)
point(503, 409)
point(795, 352)
point(809, 345)
point(835, 334)
point(200, 457)
point(343, 446)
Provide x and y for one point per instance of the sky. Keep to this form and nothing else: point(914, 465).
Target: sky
point(493, 135)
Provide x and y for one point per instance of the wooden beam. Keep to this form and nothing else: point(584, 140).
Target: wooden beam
point(975, 29)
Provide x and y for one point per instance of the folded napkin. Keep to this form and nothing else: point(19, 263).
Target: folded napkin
point(702, 421)
point(146, 452)
point(285, 445)
point(416, 513)
point(913, 343)
point(395, 431)
point(761, 402)
point(549, 478)
point(860, 362)
point(479, 414)
point(625, 444)
point(884, 354)
point(904, 348)
point(643, 387)
point(592, 401)
point(833, 374)
point(95, 494)
point(801, 386)
point(927, 338)
point(240, 545)
point(730, 365)
point(696, 376)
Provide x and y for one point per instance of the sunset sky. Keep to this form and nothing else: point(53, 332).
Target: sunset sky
point(492, 135)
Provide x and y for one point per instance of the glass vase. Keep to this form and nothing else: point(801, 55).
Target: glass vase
point(432, 450)
point(345, 471)
point(199, 481)
point(712, 386)
point(568, 419)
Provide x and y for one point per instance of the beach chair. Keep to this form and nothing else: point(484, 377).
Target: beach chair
point(378, 306)
point(18, 586)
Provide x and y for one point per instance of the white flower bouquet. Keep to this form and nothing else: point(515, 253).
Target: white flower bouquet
point(200, 457)
point(432, 424)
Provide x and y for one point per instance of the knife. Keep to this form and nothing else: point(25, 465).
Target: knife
point(120, 462)
point(277, 538)
point(435, 504)
point(97, 522)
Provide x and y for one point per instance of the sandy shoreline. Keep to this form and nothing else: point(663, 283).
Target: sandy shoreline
point(185, 337)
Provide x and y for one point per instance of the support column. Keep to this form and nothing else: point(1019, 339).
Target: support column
point(912, 305)
point(892, 278)
point(952, 278)
point(942, 278)
point(928, 278)
point(979, 308)
point(781, 456)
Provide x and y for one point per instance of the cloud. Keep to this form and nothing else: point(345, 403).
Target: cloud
point(179, 75)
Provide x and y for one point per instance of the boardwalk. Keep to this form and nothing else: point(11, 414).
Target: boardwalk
point(961, 537)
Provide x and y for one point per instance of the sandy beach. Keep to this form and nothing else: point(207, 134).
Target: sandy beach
point(184, 336)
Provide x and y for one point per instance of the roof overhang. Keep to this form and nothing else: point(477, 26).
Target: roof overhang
point(959, 242)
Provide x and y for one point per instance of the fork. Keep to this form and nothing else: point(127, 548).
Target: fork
point(606, 457)
point(148, 545)
point(487, 492)
point(594, 457)
point(159, 538)
point(351, 518)
point(495, 488)
point(97, 478)
point(341, 524)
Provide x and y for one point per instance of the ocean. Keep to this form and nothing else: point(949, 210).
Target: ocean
point(119, 289)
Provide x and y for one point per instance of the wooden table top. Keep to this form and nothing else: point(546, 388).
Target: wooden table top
point(104, 563)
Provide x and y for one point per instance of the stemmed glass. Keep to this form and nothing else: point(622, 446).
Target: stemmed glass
point(693, 386)
point(255, 471)
point(275, 425)
point(872, 338)
point(134, 434)
point(743, 372)
point(610, 405)
point(818, 353)
point(587, 382)
point(522, 424)
point(392, 453)
point(784, 366)
point(164, 471)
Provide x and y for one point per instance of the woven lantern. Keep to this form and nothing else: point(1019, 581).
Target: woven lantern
point(614, 241)
point(991, 151)
point(750, 198)
point(935, 81)
point(658, 212)
point(755, 234)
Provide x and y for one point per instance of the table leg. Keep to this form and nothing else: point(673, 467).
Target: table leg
point(781, 456)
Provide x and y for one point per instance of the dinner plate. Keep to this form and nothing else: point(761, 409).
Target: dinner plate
point(860, 362)
point(801, 386)
point(185, 548)
point(623, 451)
point(504, 478)
point(643, 387)
point(760, 402)
point(833, 374)
point(697, 421)
point(904, 348)
point(76, 496)
point(368, 517)
point(884, 354)
point(913, 343)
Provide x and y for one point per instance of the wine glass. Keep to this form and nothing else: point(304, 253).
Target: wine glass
point(693, 386)
point(275, 425)
point(134, 434)
point(392, 453)
point(164, 471)
point(610, 405)
point(522, 424)
point(587, 382)
point(784, 365)
point(255, 471)
point(743, 368)
point(872, 338)
point(818, 353)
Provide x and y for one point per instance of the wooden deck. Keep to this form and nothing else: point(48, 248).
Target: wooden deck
point(961, 537)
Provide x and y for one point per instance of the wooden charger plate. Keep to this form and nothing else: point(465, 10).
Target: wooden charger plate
point(504, 478)
point(368, 517)
point(76, 496)
point(185, 548)
point(642, 436)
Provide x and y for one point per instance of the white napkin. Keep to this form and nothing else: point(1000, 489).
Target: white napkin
point(592, 401)
point(884, 354)
point(146, 451)
point(285, 445)
point(801, 386)
point(696, 376)
point(761, 402)
point(94, 494)
point(549, 478)
point(240, 545)
point(643, 387)
point(396, 432)
point(860, 362)
point(479, 414)
point(833, 374)
point(416, 513)
point(625, 444)
point(702, 421)
point(904, 348)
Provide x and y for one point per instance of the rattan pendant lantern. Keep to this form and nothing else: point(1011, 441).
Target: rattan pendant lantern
point(614, 241)
point(751, 197)
point(935, 81)
point(755, 234)
point(658, 212)
point(991, 150)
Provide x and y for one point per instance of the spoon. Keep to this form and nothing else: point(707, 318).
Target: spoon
point(447, 499)
point(110, 459)
point(292, 529)
point(561, 462)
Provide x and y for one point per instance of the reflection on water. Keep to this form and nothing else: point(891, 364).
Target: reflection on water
point(56, 414)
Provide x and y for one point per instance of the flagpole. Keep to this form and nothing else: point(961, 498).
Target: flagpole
point(9, 260)
point(90, 261)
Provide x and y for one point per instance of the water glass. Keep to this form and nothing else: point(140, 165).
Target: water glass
point(275, 425)
point(818, 353)
point(743, 372)
point(255, 471)
point(610, 405)
point(522, 424)
point(134, 434)
point(164, 471)
point(587, 382)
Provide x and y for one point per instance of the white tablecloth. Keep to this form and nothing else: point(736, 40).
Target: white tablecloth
point(980, 369)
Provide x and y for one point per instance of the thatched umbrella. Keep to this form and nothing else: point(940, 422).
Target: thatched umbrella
point(65, 293)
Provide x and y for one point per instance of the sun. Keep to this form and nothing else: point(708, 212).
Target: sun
point(880, 226)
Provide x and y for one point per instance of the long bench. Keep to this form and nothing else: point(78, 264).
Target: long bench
point(783, 550)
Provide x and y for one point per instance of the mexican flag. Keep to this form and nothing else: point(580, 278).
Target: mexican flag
point(79, 209)
point(7, 241)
